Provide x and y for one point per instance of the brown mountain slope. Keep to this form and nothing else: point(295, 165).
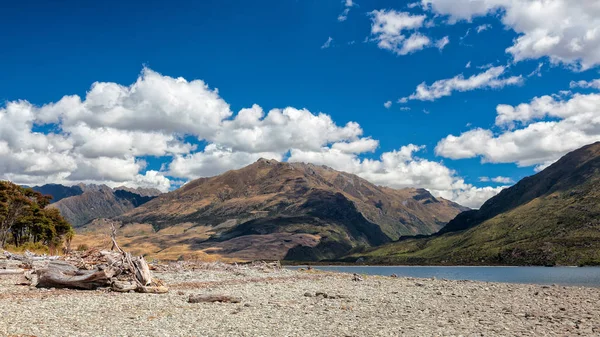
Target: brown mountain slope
point(299, 211)
point(99, 202)
point(551, 218)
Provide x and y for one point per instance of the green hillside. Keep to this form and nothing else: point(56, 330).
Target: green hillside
point(551, 218)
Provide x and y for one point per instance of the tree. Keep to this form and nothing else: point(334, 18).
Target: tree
point(24, 217)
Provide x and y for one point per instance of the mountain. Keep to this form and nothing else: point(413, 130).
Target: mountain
point(551, 218)
point(100, 201)
point(59, 192)
point(144, 192)
point(285, 210)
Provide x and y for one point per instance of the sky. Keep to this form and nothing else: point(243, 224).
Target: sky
point(462, 97)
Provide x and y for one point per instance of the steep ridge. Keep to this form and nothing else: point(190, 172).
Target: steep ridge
point(299, 211)
point(99, 201)
point(59, 192)
point(550, 218)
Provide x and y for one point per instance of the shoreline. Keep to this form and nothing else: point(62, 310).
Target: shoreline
point(285, 302)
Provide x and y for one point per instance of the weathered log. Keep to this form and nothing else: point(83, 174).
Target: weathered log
point(11, 271)
point(81, 279)
point(213, 298)
point(123, 287)
point(142, 271)
point(11, 256)
point(93, 269)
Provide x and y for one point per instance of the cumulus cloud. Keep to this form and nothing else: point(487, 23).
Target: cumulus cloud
point(491, 78)
point(397, 32)
point(531, 134)
point(387, 104)
point(399, 169)
point(565, 31)
point(105, 137)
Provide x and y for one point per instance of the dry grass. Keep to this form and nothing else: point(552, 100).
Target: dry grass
point(168, 244)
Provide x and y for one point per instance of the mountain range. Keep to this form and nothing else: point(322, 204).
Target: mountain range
point(278, 210)
point(80, 204)
point(550, 218)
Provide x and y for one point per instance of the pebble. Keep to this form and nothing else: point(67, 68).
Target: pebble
point(342, 307)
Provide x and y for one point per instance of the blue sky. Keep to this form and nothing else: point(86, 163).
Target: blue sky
point(272, 53)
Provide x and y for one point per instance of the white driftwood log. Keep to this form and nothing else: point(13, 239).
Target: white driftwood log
point(118, 270)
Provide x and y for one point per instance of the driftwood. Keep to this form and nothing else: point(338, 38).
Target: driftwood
point(93, 269)
point(29, 256)
point(11, 271)
point(57, 278)
point(213, 298)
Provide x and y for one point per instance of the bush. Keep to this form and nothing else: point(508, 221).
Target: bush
point(82, 247)
point(34, 247)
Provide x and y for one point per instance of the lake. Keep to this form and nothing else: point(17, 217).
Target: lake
point(568, 276)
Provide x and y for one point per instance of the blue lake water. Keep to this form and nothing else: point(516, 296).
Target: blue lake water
point(568, 276)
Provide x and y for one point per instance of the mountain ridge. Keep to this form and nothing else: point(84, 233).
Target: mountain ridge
point(550, 218)
point(300, 210)
point(97, 201)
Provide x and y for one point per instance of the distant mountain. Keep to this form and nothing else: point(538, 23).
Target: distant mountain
point(144, 192)
point(100, 201)
point(286, 210)
point(550, 218)
point(58, 191)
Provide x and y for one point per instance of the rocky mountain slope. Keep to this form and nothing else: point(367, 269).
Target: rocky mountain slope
point(100, 201)
point(550, 218)
point(286, 210)
point(59, 192)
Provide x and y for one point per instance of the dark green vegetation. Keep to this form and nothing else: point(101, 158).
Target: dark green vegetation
point(273, 210)
point(24, 220)
point(551, 218)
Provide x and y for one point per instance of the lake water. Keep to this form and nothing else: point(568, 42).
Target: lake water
point(568, 276)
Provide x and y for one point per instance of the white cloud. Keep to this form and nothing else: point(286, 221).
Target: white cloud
point(396, 32)
point(503, 180)
point(566, 31)
point(344, 15)
point(214, 160)
point(482, 28)
point(498, 179)
point(491, 78)
point(280, 130)
point(387, 104)
point(327, 43)
point(400, 168)
point(105, 136)
point(443, 42)
point(594, 84)
point(468, 65)
point(486, 66)
point(404, 108)
point(358, 146)
point(537, 71)
point(535, 133)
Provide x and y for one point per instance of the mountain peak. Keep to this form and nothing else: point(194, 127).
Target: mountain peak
point(267, 161)
point(301, 211)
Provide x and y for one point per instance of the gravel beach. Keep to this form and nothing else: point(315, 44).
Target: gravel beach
point(302, 303)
